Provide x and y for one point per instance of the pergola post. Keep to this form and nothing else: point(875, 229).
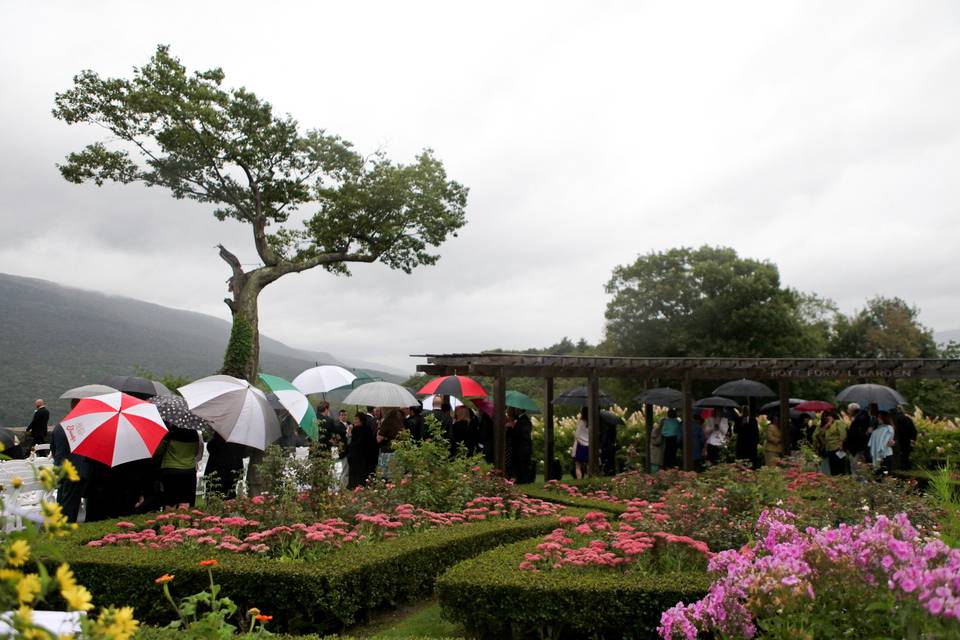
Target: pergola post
point(499, 422)
point(548, 452)
point(687, 389)
point(593, 409)
point(784, 390)
point(648, 424)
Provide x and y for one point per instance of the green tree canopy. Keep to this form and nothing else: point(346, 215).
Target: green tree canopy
point(709, 302)
point(226, 147)
point(884, 328)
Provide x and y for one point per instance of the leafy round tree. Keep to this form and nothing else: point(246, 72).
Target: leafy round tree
point(708, 302)
point(185, 132)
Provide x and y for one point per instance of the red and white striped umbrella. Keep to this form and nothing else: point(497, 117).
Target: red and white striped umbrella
point(114, 428)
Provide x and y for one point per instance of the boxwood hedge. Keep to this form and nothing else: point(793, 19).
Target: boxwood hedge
point(492, 598)
point(319, 596)
point(573, 501)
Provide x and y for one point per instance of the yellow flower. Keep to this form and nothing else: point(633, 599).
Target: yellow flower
point(34, 633)
point(77, 598)
point(47, 478)
point(54, 521)
point(25, 614)
point(65, 577)
point(65, 636)
point(70, 471)
point(17, 553)
point(28, 588)
point(17, 482)
point(118, 624)
point(10, 574)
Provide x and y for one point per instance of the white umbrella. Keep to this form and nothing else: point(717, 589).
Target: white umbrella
point(87, 391)
point(381, 394)
point(324, 378)
point(238, 411)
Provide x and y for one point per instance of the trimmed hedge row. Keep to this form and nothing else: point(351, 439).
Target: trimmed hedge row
point(535, 491)
point(321, 596)
point(492, 598)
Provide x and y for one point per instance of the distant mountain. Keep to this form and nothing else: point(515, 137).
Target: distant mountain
point(53, 338)
point(943, 337)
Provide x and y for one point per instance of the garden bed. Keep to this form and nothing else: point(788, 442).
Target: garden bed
point(493, 598)
point(323, 595)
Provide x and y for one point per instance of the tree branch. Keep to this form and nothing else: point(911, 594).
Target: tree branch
point(235, 283)
point(267, 254)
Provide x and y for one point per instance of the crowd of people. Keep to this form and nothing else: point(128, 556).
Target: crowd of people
point(363, 443)
point(883, 439)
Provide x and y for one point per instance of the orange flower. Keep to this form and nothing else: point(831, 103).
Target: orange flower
point(263, 618)
point(209, 563)
point(164, 579)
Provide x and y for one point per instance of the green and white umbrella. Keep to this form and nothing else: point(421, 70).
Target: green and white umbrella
point(293, 400)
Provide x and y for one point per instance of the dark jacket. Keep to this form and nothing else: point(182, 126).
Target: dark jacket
point(748, 437)
point(520, 441)
point(390, 428)
point(38, 426)
point(857, 436)
point(60, 450)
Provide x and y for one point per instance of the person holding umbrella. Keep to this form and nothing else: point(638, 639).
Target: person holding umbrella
point(748, 437)
point(389, 429)
point(179, 454)
point(519, 445)
point(828, 439)
point(581, 445)
point(69, 493)
point(224, 466)
point(671, 430)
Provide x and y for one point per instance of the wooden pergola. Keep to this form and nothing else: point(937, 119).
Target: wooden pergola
point(502, 366)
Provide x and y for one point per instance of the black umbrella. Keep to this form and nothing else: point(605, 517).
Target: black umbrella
point(577, 397)
point(744, 388)
point(776, 404)
point(865, 394)
point(176, 413)
point(610, 419)
point(714, 402)
point(662, 397)
point(137, 385)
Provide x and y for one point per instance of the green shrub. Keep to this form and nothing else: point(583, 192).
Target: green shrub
point(535, 491)
point(322, 596)
point(492, 598)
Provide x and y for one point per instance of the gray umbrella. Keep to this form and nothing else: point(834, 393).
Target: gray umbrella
point(714, 402)
point(577, 397)
point(138, 386)
point(662, 397)
point(176, 413)
point(87, 391)
point(865, 394)
point(744, 388)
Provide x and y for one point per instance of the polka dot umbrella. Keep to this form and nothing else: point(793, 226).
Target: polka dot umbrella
point(176, 413)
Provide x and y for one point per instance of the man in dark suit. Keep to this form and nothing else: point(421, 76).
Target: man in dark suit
point(38, 426)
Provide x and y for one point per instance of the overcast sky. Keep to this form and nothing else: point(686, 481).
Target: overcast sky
point(823, 136)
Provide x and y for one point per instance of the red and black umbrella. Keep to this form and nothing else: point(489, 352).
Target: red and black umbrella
point(457, 386)
point(814, 405)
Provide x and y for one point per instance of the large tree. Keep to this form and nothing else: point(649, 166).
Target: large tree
point(884, 328)
point(185, 132)
point(708, 302)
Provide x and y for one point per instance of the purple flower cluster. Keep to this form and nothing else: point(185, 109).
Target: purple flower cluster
point(788, 569)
